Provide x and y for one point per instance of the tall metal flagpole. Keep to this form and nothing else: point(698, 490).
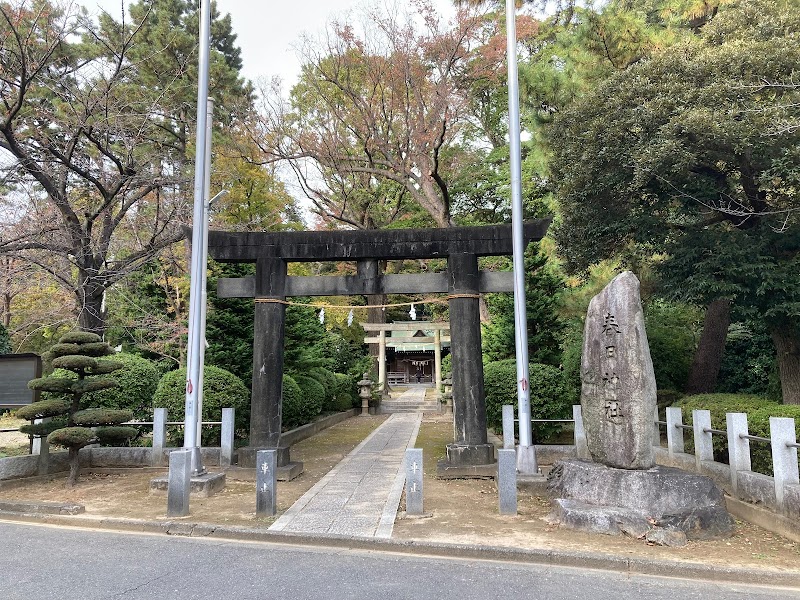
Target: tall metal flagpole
point(204, 268)
point(194, 356)
point(526, 454)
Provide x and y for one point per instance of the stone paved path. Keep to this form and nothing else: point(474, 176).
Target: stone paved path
point(360, 495)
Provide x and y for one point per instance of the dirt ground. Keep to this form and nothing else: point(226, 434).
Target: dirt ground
point(462, 511)
point(12, 443)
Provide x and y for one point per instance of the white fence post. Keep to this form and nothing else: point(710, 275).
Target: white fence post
point(226, 438)
point(159, 436)
point(674, 431)
point(508, 426)
point(738, 447)
point(784, 457)
point(581, 445)
point(703, 440)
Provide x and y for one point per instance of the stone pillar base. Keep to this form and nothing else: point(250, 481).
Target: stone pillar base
point(286, 471)
point(468, 461)
point(247, 456)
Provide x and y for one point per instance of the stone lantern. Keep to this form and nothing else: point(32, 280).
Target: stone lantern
point(365, 393)
point(447, 395)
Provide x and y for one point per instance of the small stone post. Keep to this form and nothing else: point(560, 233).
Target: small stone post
point(674, 431)
point(179, 484)
point(703, 440)
point(738, 448)
point(414, 481)
point(266, 467)
point(41, 448)
point(507, 481)
point(508, 426)
point(784, 457)
point(365, 393)
point(159, 436)
point(226, 439)
point(581, 446)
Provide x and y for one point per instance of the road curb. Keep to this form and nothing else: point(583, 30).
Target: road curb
point(556, 558)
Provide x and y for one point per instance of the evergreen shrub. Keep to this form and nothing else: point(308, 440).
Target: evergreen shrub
point(294, 408)
point(327, 379)
point(137, 383)
point(313, 396)
point(549, 395)
point(221, 389)
point(344, 399)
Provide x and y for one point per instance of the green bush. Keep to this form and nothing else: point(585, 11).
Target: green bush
point(221, 389)
point(343, 402)
point(295, 411)
point(137, 382)
point(344, 399)
point(356, 373)
point(758, 409)
point(549, 395)
point(447, 366)
point(327, 379)
point(313, 396)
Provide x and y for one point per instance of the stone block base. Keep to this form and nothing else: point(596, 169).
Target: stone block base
point(247, 456)
point(203, 486)
point(532, 484)
point(289, 471)
point(600, 499)
point(284, 473)
point(462, 455)
point(468, 461)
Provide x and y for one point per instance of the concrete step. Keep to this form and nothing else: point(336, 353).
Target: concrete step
point(428, 407)
point(387, 411)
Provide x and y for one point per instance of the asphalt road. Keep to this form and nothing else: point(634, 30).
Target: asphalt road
point(42, 562)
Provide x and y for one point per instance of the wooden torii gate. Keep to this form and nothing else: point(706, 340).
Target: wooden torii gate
point(462, 282)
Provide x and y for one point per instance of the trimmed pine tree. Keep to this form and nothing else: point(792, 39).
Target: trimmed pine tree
point(71, 424)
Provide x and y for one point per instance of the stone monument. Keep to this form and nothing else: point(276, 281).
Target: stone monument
point(618, 391)
point(621, 490)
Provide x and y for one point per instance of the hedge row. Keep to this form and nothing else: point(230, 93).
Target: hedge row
point(758, 409)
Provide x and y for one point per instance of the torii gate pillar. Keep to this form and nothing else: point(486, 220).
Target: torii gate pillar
point(470, 450)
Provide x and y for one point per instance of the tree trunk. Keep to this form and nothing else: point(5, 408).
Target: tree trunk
point(91, 313)
point(708, 357)
point(787, 345)
point(74, 467)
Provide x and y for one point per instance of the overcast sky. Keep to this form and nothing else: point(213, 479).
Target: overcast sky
point(269, 29)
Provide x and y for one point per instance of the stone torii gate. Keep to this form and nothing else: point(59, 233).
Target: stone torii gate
point(462, 282)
